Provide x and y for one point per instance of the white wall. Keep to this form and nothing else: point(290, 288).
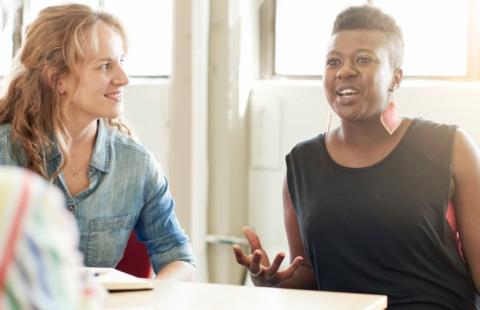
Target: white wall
point(284, 113)
point(233, 67)
point(171, 120)
point(146, 111)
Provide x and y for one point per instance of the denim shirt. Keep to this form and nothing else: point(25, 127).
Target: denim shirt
point(127, 191)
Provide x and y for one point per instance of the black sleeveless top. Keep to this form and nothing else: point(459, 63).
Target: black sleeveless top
point(382, 229)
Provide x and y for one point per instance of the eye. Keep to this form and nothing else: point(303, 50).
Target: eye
point(333, 61)
point(104, 66)
point(364, 60)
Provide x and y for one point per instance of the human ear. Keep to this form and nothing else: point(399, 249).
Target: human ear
point(55, 80)
point(396, 80)
point(50, 75)
point(62, 84)
point(61, 87)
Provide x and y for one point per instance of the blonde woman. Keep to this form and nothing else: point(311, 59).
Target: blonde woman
point(60, 118)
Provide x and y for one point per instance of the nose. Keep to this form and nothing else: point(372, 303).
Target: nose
point(346, 71)
point(120, 78)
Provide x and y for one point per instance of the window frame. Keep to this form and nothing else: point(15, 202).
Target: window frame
point(21, 15)
point(267, 44)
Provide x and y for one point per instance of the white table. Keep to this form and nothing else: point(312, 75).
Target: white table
point(204, 296)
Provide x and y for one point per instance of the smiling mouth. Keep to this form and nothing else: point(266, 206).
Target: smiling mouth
point(115, 96)
point(347, 93)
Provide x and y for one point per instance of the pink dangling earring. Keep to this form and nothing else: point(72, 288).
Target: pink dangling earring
point(391, 118)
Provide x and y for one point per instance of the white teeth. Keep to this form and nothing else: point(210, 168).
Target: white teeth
point(116, 96)
point(347, 91)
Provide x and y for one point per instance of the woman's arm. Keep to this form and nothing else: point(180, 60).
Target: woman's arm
point(158, 228)
point(298, 274)
point(178, 271)
point(466, 174)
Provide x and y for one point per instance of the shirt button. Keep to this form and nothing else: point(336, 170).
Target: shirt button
point(71, 208)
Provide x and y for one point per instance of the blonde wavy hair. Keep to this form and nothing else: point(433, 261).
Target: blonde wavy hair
point(58, 39)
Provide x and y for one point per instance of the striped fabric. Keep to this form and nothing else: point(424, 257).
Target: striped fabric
point(39, 259)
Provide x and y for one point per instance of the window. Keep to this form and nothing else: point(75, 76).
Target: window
point(32, 7)
point(148, 23)
point(302, 29)
point(6, 30)
point(437, 46)
point(150, 35)
point(439, 36)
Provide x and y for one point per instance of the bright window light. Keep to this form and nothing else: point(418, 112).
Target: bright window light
point(302, 31)
point(150, 35)
point(6, 26)
point(147, 22)
point(35, 6)
point(434, 46)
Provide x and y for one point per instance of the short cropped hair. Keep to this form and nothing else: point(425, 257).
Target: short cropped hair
point(368, 17)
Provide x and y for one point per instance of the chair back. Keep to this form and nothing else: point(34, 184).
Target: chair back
point(450, 216)
point(135, 260)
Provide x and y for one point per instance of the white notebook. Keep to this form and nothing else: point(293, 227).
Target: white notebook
point(115, 280)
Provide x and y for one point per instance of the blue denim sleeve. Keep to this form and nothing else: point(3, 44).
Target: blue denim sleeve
point(157, 226)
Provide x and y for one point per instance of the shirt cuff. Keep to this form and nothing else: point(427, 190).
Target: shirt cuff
point(181, 252)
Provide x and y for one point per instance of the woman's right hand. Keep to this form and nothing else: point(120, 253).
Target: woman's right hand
point(258, 264)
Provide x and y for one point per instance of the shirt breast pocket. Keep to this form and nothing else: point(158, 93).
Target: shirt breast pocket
point(107, 239)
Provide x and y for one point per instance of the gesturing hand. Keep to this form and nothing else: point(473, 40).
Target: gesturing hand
point(261, 271)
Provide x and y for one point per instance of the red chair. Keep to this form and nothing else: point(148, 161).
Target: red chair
point(450, 216)
point(135, 260)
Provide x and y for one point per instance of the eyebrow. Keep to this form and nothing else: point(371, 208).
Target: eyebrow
point(107, 58)
point(104, 59)
point(361, 50)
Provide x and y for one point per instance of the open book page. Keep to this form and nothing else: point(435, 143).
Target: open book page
point(115, 280)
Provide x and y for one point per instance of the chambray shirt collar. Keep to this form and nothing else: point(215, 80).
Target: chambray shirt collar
point(102, 151)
